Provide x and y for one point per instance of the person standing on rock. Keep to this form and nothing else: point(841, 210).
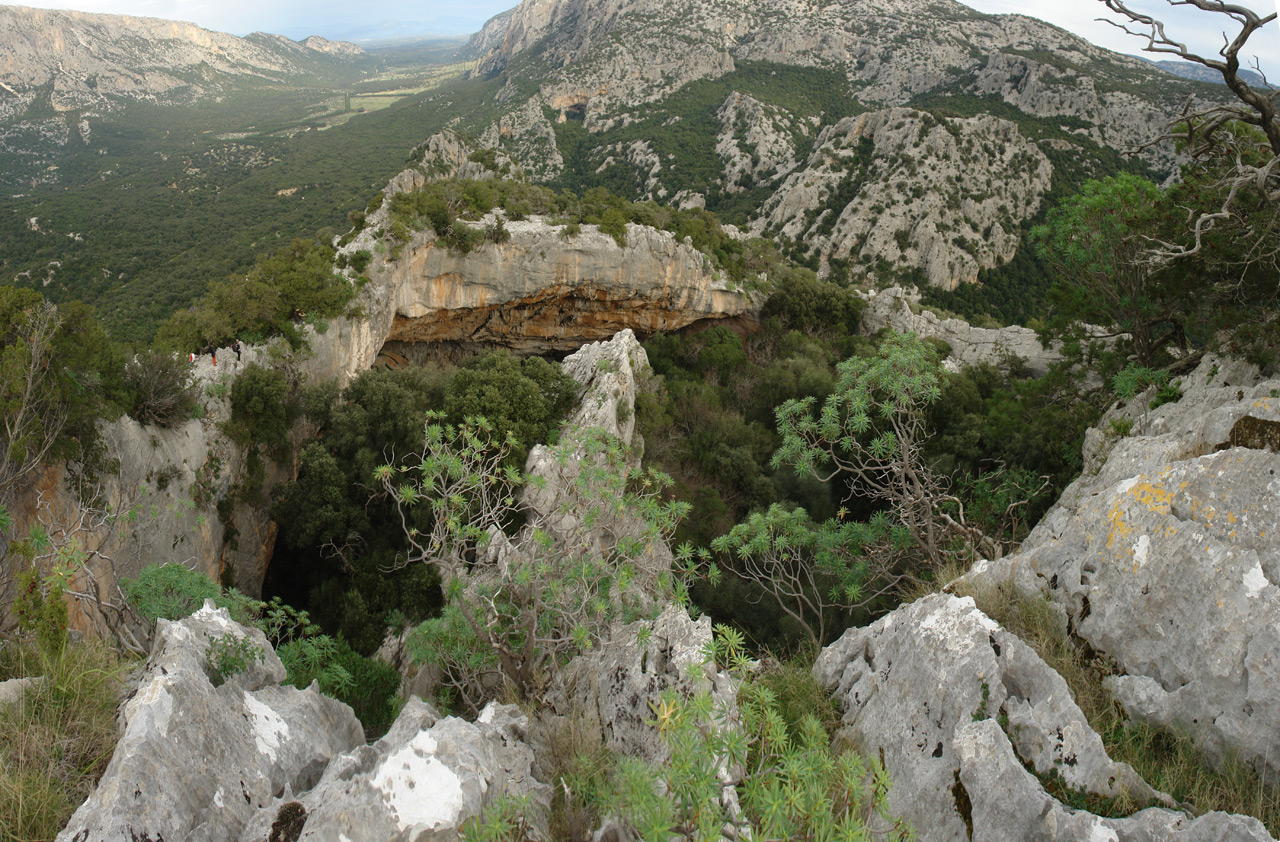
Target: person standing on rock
point(235, 346)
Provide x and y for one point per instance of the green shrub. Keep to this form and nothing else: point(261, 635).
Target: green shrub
point(263, 409)
point(172, 592)
point(297, 280)
point(795, 785)
point(614, 223)
point(373, 693)
point(496, 232)
point(1134, 378)
point(161, 388)
point(231, 654)
point(805, 303)
point(360, 261)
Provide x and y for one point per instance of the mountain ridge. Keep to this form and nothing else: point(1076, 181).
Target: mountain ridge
point(81, 60)
point(590, 91)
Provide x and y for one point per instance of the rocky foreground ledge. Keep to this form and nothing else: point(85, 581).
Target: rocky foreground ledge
point(961, 709)
point(250, 759)
point(1163, 558)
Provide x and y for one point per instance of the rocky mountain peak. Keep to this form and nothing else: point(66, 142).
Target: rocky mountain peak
point(84, 59)
point(984, 108)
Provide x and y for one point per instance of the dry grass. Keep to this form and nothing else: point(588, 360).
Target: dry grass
point(56, 743)
point(571, 755)
point(1170, 762)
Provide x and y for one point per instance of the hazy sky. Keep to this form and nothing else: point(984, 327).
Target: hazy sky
point(344, 18)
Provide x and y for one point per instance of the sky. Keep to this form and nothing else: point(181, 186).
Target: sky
point(391, 18)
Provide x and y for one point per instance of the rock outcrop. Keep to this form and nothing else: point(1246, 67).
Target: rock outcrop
point(893, 308)
point(960, 710)
point(250, 759)
point(421, 781)
point(1163, 558)
point(620, 684)
point(539, 292)
point(899, 187)
point(160, 504)
point(195, 761)
point(1057, 96)
point(12, 691)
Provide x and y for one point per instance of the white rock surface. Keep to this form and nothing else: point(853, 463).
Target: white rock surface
point(969, 345)
point(195, 761)
point(956, 706)
point(420, 782)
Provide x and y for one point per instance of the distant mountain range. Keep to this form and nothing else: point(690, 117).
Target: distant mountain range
point(1200, 73)
point(64, 61)
point(916, 137)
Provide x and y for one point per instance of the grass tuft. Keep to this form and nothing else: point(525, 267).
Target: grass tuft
point(1170, 762)
point(56, 743)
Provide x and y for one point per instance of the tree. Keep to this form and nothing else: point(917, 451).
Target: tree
point(591, 550)
point(1097, 242)
point(1248, 186)
point(871, 431)
point(32, 412)
point(814, 572)
point(163, 393)
point(57, 367)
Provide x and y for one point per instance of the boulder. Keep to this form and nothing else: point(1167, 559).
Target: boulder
point(1164, 560)
point(619, 684)
point(12, 691)
point(958, 708)
point(195, 761)
point(421, 781)
point(1007, 804)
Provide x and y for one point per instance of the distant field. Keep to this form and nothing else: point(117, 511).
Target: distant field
point(164, 200)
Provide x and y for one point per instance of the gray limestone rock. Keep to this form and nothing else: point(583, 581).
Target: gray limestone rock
point(12, 691)
point(540, 291)
point(757, 141)
point(912, 682)
point(195, 761)
point(421, 781)
point(944, 199)
point(1003, 802)
point(617, 683)
point(1165, 561)
point(607, 373)
point(970, 345)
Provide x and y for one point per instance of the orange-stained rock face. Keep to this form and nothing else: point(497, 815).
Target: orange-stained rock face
point(543, 292)
point(538, 292)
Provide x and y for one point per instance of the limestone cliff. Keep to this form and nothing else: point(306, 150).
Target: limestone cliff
point(608, 56)
point(160, 505)
point(541, 291)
